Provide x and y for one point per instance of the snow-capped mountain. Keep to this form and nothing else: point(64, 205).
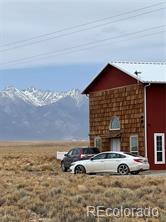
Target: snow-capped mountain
point(39, 97)
point(42, 114)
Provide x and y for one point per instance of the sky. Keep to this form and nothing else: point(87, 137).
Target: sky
point(63, 44)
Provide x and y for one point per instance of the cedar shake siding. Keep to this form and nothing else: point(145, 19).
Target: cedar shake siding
point(126, 103)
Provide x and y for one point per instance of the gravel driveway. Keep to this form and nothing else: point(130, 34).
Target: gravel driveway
point(154, 173)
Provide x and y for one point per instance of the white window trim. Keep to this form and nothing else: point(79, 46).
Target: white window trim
point(113, 129)
point(163, 148)
point(98, 137)
point(137, 143)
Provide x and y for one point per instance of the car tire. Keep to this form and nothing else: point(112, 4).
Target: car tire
point(123, 169)
point(135, 172)
point(80, 169)
point(64, 169)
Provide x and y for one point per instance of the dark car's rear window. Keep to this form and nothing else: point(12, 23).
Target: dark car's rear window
point(91, 150)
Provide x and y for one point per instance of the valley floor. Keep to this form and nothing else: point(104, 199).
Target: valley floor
point(33, 188)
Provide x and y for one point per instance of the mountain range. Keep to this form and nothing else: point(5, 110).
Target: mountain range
point(34, 114)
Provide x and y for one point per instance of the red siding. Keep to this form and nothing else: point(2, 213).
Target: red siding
point(109, 78)
point(156, 118)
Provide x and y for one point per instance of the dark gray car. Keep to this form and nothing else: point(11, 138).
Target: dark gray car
point(78, 153)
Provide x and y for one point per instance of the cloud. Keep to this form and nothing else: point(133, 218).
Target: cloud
point(25, 19)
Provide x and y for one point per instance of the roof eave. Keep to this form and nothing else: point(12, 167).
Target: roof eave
point(129, 74)
point(154, 82)
point(85, 91)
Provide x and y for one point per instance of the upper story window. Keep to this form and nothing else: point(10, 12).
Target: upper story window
point(115, 123)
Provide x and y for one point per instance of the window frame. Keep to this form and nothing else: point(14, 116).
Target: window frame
point(70, 153)
point(118, 156)
point(110, 126)
point(95, 144)
point(76, 152)
point(131, 151)
point(100, 154)
point(163, 148)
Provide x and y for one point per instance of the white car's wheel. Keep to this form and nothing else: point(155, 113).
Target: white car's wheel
point(80, 169)
point(123, 169)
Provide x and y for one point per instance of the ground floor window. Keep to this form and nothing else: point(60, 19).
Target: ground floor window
point(159, 148)
point(97, 142)
point(134, 144)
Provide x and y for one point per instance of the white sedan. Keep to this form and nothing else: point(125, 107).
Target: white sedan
point(115, 162)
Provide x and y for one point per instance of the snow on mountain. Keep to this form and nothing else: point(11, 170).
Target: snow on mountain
point(34, 114)
point(39, 97)
point(13, 93)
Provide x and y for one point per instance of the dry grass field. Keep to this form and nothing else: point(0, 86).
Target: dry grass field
point(33, 188)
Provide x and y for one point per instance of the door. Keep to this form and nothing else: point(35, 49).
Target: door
point(72, 156)
point(112, 161)
point(96, 163)
point(76, 154)
point(115, 144)
point(68, 159)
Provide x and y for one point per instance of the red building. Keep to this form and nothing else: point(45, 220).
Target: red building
point(127, 110)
